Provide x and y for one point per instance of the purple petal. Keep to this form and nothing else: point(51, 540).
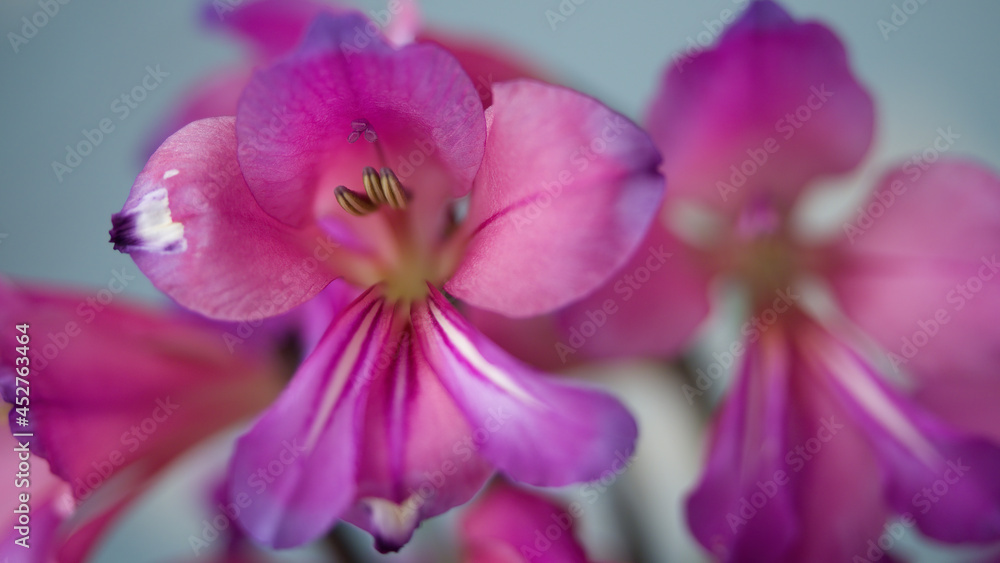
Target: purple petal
point(774, 106)
point(534, 429)
point(743, 507)
point(298, 464)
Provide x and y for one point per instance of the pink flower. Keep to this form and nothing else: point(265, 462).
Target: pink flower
point(402, 411)
point(116, 394)
point(818, 441)
point(508, 523)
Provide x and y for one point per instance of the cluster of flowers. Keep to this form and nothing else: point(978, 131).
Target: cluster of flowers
point(434, 225)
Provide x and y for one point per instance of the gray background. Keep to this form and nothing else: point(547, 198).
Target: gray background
point(941, 69)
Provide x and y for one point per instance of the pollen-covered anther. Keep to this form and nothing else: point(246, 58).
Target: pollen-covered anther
point(373, 185)
point(379, 188)
point(354, 203)
point(392, 190)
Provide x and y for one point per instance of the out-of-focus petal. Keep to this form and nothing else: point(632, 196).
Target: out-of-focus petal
point(485, 63)
point(535, 430)
point(943, 478)
point(772, 107)
point(743, 507)
point(298, 462)
point(505, 524)
point(412, 109)
point(650, 308)
point(272, 27)
point(919, 269)
point(194, 229)
point(566, 192)
point(419, 456)
point(118, 392)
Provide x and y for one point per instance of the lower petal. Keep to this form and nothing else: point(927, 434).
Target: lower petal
point(746, 463)
point(298, 462)
point(534, 429)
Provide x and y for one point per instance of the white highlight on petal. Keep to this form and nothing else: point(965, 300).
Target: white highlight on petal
point(471, 354)
point(154, 226)
point(394, 522)
point(171, 173)
point(857, 381)
point(345, 365)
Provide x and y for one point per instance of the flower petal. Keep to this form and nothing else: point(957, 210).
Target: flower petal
point(651, 308)
point(566, 182)
point(419, 111)
point(485, 63)
point(772, 107)
point(507, 520)
point(742, 508)
point(416, 461)
point(942, 478)
point(298, 462)
point(536, 430)
point(272, 27)
point(193, 228)
point(119, 392)
point(924, 282)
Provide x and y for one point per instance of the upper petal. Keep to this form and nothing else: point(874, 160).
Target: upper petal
point(298, 463)
point(771, 107)
point(566, 183)
point(272, 27)
point(534, 429)
point(420, 111)
point(918, 267)
point(194, 229)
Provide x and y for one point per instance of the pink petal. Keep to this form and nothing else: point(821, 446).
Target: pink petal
point(48, 505)
point(567, 183)
point(536, 430)
point(506, 522)
point(118, 392)
point(725, 119)
point(534, 340)
point(295, 120)
point(418, 458)
point(193, 228)
point(650, 308)
point(922, 281)
point(298, 462)
point(743, 507)
point(272, 27)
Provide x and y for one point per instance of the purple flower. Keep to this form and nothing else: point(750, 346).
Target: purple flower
point(402, 410)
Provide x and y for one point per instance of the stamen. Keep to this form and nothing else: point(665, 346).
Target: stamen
point(379, 189)
point(392, 191)
point(353, 203)
point(373, 185)
point(359, 127)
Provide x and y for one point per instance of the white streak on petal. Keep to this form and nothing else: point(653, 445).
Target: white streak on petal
point(153, 225)
point(469, 353)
